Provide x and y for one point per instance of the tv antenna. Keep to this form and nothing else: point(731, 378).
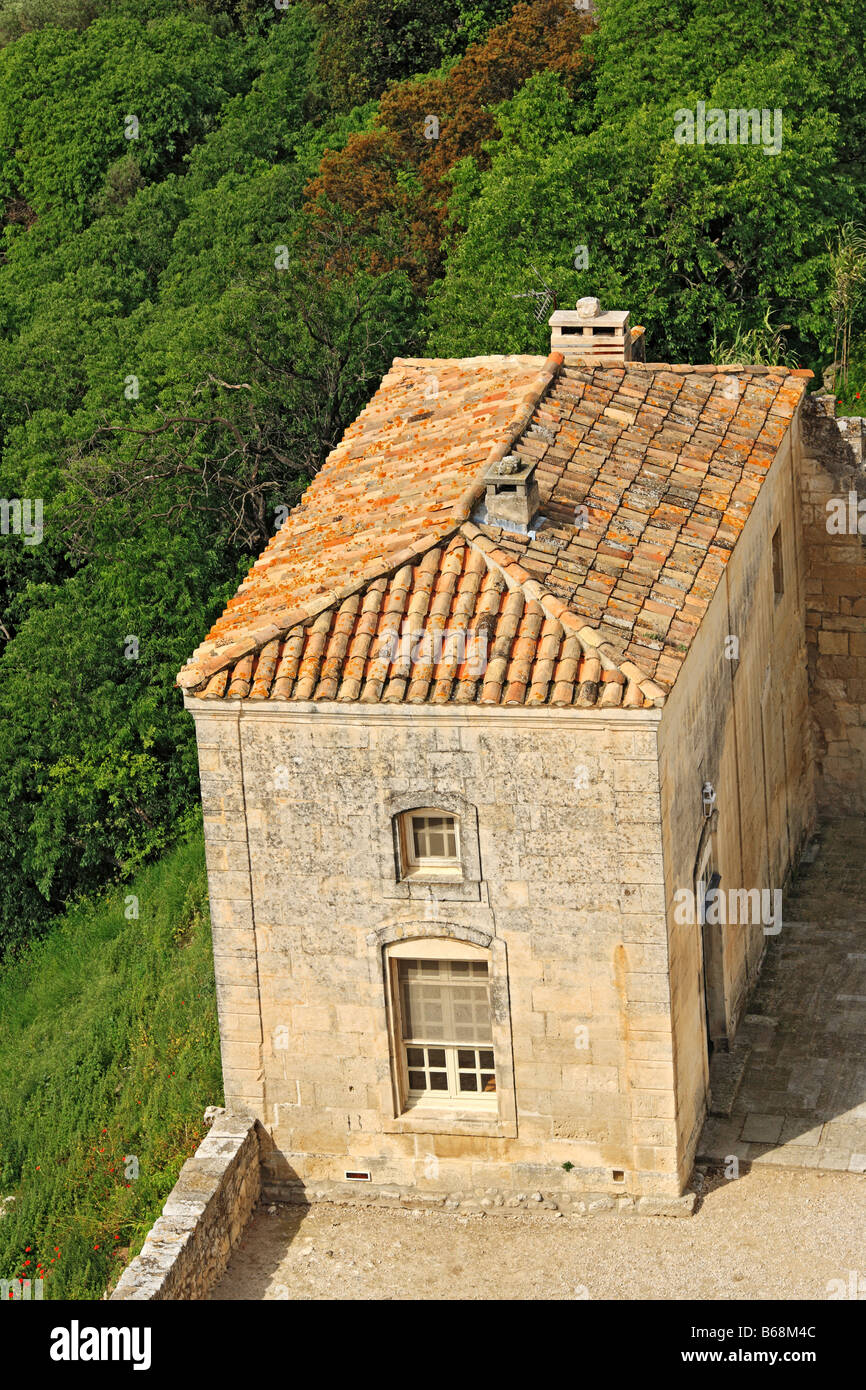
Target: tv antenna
point(544, 298)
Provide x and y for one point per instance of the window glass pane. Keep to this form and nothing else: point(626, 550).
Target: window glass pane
point(434, 837)
point(486, 1059)
point(415, 1056)
point(436, 1010)
point(434, 1073)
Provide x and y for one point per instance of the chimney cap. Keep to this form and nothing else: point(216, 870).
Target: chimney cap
point(510, 463)
point(512, 469)
point(613, 319)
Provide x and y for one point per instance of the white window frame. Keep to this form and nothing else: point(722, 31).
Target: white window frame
point(429, 866)
point(452, 1099)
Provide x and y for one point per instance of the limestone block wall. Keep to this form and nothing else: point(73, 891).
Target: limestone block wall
point(740, 722)
point(835, 613)
point(568, 897)
point(189, 1246)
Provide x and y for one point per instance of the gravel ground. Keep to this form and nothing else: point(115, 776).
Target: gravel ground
point(770, 1234)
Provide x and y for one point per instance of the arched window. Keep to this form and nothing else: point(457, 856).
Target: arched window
point(442, 1023)
point(445, 995)
point(429, 846)
point(429, 841)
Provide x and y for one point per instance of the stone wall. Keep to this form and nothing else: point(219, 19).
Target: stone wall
point(566, 893)
point(835, 613)
point(189, 1246)
point(737, 718)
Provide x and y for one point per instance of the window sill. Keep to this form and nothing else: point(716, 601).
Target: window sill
point(431, 1119)
point(433, 876)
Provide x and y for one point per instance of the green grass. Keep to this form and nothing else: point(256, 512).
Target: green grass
point(109, 1047)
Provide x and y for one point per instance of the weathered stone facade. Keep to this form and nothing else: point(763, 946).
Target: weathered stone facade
point(738, 718)
point(835, 613)
point(570, 903)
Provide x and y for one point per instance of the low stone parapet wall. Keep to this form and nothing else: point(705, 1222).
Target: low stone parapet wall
point(189, 1246)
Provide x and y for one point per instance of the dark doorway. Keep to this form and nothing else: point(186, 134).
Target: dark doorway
point(707, 882)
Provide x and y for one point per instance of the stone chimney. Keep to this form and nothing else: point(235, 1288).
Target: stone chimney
point(511, 498)
point(589, 335)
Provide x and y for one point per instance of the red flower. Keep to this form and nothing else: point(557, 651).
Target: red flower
point(27, 1262)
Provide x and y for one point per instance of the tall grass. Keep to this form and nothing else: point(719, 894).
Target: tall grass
point(109, 1053)
point(759, 344)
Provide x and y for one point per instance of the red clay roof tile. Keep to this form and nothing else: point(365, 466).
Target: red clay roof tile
point(379, 588)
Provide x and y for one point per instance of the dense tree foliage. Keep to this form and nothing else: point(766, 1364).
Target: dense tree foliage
point(697, 240)
point(394, 175)
point(368, 44)
point(222, 219)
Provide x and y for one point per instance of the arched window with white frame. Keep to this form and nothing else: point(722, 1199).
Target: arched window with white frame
point(442, 1024)
point(429, 840)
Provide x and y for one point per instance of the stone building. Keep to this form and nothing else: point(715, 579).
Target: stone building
point(519, 683)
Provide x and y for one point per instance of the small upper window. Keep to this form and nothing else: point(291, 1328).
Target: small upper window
point(431, 843)
point(778, 569)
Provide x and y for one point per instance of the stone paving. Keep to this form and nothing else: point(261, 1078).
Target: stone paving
point(802, 1099)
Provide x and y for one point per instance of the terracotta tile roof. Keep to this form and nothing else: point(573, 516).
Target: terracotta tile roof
point(452, 627)
point(402, 477)
point(380, 588)
point(666, 463)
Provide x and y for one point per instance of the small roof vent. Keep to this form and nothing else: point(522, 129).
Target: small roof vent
point(511, 497)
